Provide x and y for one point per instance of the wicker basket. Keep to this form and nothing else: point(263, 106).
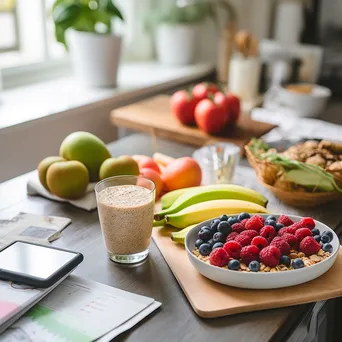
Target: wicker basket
point(266, 172)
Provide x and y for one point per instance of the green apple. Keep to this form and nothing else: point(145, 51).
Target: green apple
point(86, 148)
point(43, 167)
point(67, 179)
point(124, 165)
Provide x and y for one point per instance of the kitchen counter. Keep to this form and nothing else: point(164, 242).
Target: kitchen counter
point(175, 321)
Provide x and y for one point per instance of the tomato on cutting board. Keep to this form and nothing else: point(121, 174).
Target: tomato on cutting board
point(212, 114)
point(234, 107)
point(201, 91)
point(183, 106)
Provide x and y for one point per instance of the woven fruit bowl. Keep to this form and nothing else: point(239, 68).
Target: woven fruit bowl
point(262, 280)
point(289, 192)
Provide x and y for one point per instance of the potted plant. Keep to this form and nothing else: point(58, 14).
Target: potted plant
point(85, 28)
point(177, 31)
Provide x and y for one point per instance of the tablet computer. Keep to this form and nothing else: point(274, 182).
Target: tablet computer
point(36, 265)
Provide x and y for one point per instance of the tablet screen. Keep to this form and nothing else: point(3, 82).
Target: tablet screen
point(34, 261)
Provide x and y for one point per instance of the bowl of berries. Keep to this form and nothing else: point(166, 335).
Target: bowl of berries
point(262, 251)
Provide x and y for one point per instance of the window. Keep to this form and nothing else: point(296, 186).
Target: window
point(8, 24)
point(27, 43)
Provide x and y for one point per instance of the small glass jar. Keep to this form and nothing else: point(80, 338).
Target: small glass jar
point(218, 162)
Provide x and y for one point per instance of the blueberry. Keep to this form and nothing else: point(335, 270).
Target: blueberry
point(232, 220)
point(219, 237)
point(254, 266)
point(213, 225)
point(279, 226)
point(218, 245)
point(325, 238)
point(330, 234)
point(234, 265)
point(315, 232)
point(211, 243)
point(224, 228)
point(297, 263)
point(244, 216)
point(271, 223)
point(198, 243)
point(317, 238)
point(285, 260)
point(205, 249)
point(271, 218)
point(327, 247)
point(205, 234)
point(223, 218)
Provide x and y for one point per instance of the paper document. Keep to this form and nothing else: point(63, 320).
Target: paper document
point(81, 310)
point(32, 228)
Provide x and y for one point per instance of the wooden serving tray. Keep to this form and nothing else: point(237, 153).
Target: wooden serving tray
point(210, 299)
point(154, 116)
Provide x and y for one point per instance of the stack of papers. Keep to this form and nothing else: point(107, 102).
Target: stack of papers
point(32, 228)
point(81, 310)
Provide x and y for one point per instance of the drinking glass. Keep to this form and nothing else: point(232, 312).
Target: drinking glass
point(218, 162)
point(126, 207)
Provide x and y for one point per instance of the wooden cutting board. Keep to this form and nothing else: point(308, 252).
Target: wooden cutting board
point(210, 299)
point(154, 116)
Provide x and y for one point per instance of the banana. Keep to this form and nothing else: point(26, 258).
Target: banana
point(212, 192)
point(206, 210)
point(159, 223)
point(180, 235)
point(168, 199)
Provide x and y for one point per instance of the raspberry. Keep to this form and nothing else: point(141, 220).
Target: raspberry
point(268, 232)
point(232, 236)
point(218, 257)
point(292, 229)
point(260, 242)
point(255, 223)
point(301, 233)
point(270, 256)
point(291, 240)
point(238, 227)
point(308, 222)
point(283, 231)
point(280, 243)
point(233, 249)
point(249, 253)
point(309, 246)
point(243, 240)
point(285, 220)
point(251, 233)
point(243, 222)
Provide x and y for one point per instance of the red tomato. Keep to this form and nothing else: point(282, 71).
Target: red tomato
point(211, 116)
point(234, 107)
point(201, 90)
point(183, 107)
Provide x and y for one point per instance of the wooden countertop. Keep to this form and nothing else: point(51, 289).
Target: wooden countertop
point(175, 321)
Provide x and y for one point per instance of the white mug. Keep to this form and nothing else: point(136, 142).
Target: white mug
point(304, 104)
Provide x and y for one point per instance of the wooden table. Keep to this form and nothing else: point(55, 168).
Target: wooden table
point(175, 321)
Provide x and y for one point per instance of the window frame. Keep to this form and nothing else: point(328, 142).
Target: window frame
point(16, 46)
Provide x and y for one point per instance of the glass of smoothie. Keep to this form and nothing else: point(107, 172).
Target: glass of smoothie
point(126, 206)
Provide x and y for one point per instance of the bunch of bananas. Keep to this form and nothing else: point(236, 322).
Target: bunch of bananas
point(185, 208)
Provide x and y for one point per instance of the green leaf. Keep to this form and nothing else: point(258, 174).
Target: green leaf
point(113, 10)
point(65, 14)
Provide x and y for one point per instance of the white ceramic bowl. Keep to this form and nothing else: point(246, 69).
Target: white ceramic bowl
point(261, 280)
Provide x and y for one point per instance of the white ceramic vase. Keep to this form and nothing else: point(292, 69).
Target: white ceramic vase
point(95, 57)
point(176, 44)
